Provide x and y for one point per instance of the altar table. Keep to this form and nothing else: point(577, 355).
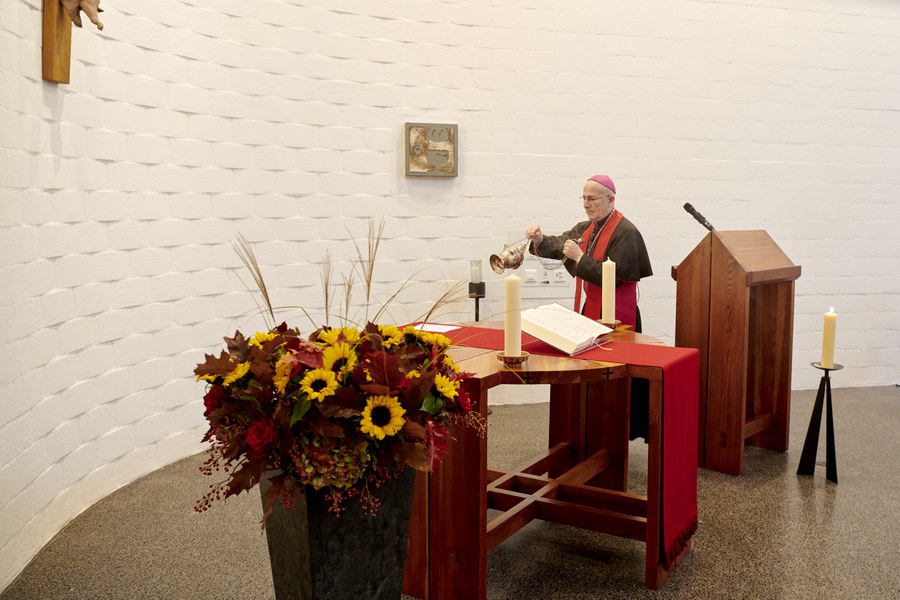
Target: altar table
point(582, 478)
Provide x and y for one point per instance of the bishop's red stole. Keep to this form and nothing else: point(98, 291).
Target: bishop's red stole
point(626, 291)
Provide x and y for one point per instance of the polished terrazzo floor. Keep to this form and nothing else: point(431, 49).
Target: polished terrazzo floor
point(767, 534)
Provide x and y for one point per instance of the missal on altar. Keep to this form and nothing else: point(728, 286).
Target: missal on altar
point(564, 329)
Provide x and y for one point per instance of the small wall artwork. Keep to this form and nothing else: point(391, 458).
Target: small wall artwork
point(432, 149)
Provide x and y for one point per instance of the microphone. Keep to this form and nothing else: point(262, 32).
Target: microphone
point(700, 218)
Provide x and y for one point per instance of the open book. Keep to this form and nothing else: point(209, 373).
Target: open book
point(563, 328)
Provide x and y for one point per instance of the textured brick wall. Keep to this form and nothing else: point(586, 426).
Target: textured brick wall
point(189, 121)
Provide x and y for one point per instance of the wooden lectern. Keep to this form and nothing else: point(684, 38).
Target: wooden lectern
point(735, 304)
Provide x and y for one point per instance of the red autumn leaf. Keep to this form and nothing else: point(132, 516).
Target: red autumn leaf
point(272, 494)
point(245, 477)
point(218, 367)
point(262, 371)
point(437, 442)
point(417, 389)
point(414, 456)
point(383, 368)
point(291, 359)
point(238, 345)
point(376, 389)
point(305, 353)
point(337, 412)
point(413, 430)
point(344, 398)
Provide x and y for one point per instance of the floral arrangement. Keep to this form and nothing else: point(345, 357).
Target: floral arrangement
point(343, 409)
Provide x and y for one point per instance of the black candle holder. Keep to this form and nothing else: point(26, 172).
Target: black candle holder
point(811, 445)
point(476, 291)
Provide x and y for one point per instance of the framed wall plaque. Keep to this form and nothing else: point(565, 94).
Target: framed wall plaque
point(432, 149)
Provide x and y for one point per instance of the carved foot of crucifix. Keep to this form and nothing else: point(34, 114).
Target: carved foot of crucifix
point(90, 7)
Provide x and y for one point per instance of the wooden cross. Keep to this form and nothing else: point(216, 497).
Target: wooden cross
point(57, 43)
point(56, 50)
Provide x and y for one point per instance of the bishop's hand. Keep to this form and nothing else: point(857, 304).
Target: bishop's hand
point(572, 250)
point(534, 234)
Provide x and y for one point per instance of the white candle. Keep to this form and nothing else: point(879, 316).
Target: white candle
point(512, 317)
point(828, 339)
point(608, 297)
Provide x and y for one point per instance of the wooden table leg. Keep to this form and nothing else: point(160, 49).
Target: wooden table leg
point(458, 515)
point(567, 416)
point(606, 427)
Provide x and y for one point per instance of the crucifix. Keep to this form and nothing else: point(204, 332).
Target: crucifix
point(56, 50)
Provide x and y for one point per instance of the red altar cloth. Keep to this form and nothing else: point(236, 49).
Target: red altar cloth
point(681, 389)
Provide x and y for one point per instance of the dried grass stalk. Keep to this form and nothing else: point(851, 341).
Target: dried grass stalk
point(366, 263)
point(327, 288)
point(245, 253)
point(365, 266)
point(348, 294)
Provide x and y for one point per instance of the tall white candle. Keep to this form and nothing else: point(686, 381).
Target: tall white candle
point(828, 339)
point(512, 316)
point(608, 295)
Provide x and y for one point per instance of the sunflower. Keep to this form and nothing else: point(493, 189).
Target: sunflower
point(261, 337)
point(330, 337)
point(442, 340)
point(238, 372)
point(391, 335)
point(382, 416)
point(427, 338)
point(445, 386)
point(339, 358)
point(317, 384)
point(411, 330)
point(284, 368)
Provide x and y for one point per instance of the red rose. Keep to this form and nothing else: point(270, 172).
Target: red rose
point(214, 399)
point(260, 436)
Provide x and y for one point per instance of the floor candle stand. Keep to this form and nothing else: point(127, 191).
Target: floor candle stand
point(811, 445)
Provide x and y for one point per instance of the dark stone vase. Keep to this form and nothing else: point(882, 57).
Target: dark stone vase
point(316, 555)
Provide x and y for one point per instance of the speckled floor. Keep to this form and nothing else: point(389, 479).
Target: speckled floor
point(767, 534)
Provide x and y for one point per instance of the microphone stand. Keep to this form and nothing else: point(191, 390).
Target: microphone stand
point(698, 217)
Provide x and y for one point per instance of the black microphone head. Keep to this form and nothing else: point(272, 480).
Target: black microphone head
point(688, 207)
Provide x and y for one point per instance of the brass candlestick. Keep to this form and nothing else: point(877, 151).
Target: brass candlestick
point(513, 362)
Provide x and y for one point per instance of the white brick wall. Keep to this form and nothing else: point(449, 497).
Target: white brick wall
point(191, 122)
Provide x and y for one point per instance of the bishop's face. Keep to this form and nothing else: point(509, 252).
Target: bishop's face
point(597, 200)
